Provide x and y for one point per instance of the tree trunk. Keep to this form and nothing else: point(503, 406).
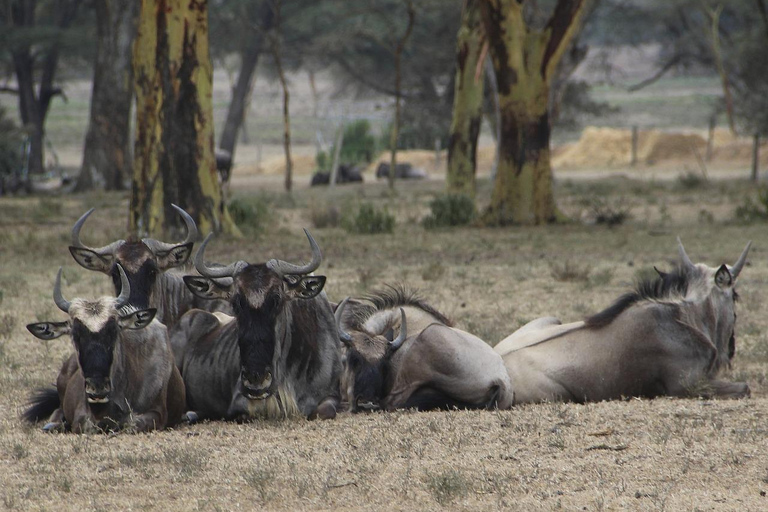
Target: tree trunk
point(34, 106)
point(399, 93)
point(525, 60)
point(173, 158)
point(467, 103)
point(242, 90)
point(106, 157)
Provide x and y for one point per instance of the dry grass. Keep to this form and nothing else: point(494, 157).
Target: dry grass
point(647, 455)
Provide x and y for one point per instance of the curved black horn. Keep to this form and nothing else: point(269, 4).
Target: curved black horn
point(58, 298)
point(686, 261)
point(343, 336)
point(76, 242)
point(189, 222)
point(397, 342)
point(736, 268)
point(125, 289)
point(283, 267)
point(213, 272)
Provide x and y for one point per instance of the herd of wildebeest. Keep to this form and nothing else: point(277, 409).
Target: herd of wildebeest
point(261, 340)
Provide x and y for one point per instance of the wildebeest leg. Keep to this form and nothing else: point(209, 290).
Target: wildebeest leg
point(326, 410)
point(430, 399)
point(156, 417)
point(735, 390)
point(56, 422)
point(176, 399)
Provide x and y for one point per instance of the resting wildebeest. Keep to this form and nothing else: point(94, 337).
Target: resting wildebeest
point(152, 267)
point(278, 356)
point(122, 373)
point(429, 365)
point(671, 336)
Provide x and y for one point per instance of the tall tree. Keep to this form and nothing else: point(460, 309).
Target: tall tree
point(467, 102)
point(525, 56)
point(399, 47)
point(35, 33)
point(106, 156)
point(173, 157)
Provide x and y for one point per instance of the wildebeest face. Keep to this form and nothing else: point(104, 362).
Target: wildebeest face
point(365, 379)
point(258, 295)
point(94, 326)
point(143, 260)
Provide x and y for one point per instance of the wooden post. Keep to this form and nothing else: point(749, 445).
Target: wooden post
point(711, 138)
point(633, 158)
point(437, 154)
point(336, 155)
point(755, 156)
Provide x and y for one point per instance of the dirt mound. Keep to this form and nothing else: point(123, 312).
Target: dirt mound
point(303, 165)
point(610, 147)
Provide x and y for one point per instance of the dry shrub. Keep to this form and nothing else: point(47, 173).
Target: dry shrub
point(448, 486)
point(569, 271)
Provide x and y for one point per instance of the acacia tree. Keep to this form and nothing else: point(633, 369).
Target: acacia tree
point(525, 56)
point(173, 157)
point(35, 33)
point(467, 102)
point(106, 156)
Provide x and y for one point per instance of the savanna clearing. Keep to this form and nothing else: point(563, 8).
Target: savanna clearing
point(637, 454)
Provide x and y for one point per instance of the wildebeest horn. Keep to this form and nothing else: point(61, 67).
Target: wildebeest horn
point(397, 342)
point(158, 246)
point(58, 298)
point(683, 255)
point(214, 272)
point(76, 242)
point(125, 289)
point(343, 336)
point(736, 268)
point(283, 267)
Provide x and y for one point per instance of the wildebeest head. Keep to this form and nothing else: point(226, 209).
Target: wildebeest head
point(716, 285)
point(367, 365)
point(258, 295)
point(94, 326)
point(142, 260)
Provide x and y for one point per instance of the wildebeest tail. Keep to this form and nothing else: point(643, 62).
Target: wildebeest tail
point(42, 403)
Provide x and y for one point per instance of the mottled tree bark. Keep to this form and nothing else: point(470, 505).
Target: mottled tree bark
point(174, 151)
point(525, 60)
point(467, 103)
point(399, 94)
point(106, 157)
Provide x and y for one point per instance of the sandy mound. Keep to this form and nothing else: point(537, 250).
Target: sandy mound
point(303, 165)
point(610, 147)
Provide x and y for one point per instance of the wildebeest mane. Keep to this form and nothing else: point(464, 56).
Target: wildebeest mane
point(391, 297)
point(664, 286)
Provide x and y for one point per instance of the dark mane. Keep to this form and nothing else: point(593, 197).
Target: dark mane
point(667, 284)
point(389, 298)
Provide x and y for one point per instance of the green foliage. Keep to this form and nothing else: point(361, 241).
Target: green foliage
point(359, 145)
point(753, 210)
point(10, 144)
point(691, 181)
point(447, 486)
point(250, 214)
point(576, 103)
point(369, 220)
point(450, 210)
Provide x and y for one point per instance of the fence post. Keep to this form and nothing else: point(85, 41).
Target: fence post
point(633, 158)
point(710, 138)
point(755, 156)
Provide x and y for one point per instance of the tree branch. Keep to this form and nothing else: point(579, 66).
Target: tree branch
point(10, 90)
point(674, 61)
point(562, 26)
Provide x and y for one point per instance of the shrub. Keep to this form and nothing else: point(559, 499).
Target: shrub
point(358, 146)
point(610, 213)
point(326, 216)
point(751, 210)
point(569, 271)
point(250, 214)
point(691, 181)
point(369, 220)
point(446, 487)
point(450, 210)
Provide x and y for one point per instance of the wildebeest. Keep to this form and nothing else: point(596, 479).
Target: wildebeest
point(154, 268)
point(403, 171)
point(429, 365)
point(122, 373)
point(278, 356)
point(671, 336)
point(346, 174)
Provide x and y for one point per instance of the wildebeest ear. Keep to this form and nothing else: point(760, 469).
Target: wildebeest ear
point(91, 260)
point(307, 287)
point(48, 330)
point(723, 277)
point(138, 319)
point(206, 288)
point(175, 257)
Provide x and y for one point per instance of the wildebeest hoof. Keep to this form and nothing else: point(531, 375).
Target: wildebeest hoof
point(53, 426)
point(324, 411)
point(190, 418)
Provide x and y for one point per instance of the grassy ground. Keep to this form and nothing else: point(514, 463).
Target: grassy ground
point(646, 455)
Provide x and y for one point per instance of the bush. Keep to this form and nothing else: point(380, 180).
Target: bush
point(450, 210)
point(358, 146)
point(691, 181)
point(250, 214)
point(369, 220)
point(327, 216)
point(611, 213)
point(10, 145)
point(752, 211)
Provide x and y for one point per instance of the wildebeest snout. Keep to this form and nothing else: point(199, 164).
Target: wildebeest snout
point(257, 387)
point(97, 389)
